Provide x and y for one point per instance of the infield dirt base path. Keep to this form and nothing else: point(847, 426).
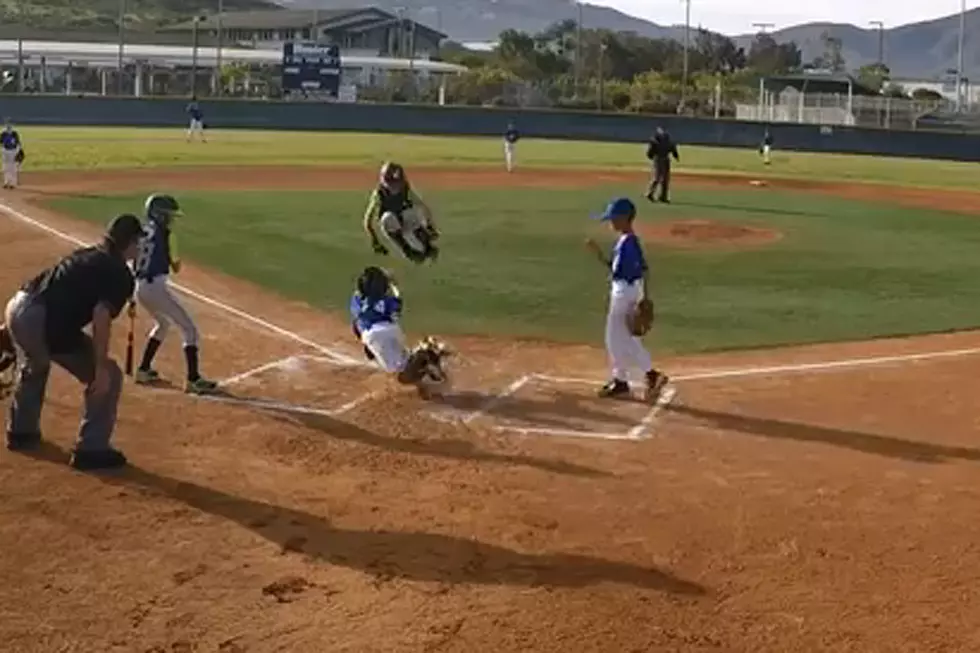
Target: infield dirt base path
point(823, 509)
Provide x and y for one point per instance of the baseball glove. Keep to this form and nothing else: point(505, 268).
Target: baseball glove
point(426, 367)
point(640, 319)
point(21, 155)
point(8, 357)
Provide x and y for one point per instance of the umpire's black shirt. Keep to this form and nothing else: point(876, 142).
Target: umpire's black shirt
point(71, 289)
point(661, 148)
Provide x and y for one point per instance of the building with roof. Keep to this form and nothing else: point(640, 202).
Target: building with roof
point(365, 31)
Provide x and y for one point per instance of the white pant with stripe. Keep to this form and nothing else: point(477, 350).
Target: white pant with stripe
point(160, 302)
point(386, 341)
point(625, 350)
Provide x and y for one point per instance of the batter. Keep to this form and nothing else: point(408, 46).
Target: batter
point(157, 259)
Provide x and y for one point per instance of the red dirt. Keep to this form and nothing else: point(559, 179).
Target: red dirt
point(831, 511)
point(707, 233)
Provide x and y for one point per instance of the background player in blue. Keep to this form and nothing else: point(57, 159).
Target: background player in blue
point(158, 258)
point(511, 136)
point(375, 310)
point(197, 121)
point(12, 151)
point(628, 285)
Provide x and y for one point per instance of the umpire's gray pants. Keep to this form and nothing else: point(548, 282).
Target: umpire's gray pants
point(25, 319)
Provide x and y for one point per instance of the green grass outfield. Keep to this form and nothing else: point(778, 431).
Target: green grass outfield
point(514, 263)
point(85, 148)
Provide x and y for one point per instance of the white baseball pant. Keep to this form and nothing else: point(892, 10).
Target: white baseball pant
point(509, 155)
point(767, 153)
point(386, 341)
point(409, 222)
point(196, 127)
point(160, 302)
point(625, 350)
point(11, 168)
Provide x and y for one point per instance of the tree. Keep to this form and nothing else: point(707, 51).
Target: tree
point(767, 57)
point(716, 53)
point(874, 76)
point(832, 59)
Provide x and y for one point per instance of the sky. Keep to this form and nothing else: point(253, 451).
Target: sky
point(738, 16)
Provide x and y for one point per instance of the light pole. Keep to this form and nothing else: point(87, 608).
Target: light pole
point(959, 67)
point(687, 48)
point(122, 45)
point(602, 73)
point(881, 40)
point(578, 48)
point(221, 40)
point(196, 43)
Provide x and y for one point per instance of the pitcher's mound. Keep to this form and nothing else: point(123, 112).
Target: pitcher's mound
point(707, 233)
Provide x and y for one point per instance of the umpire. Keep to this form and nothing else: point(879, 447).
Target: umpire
point(46, 318)
point(659, 150)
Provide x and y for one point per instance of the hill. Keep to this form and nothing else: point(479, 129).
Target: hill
point(104, 14)
point(924, 49)
point(483, 20)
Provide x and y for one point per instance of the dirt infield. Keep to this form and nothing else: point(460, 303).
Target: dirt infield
point(707, 233)
point(814, 499)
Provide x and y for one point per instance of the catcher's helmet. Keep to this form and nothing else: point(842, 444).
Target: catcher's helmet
point(392, 174)
point(373, 283)
point(161, 208)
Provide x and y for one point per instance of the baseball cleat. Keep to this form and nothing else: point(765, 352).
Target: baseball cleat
point(201, 386)
point(146, 377)
point(658, 390)
point(614, 389)
point(83, 460)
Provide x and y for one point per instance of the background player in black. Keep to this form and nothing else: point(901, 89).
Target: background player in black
point(46, 318)
point(659, 150)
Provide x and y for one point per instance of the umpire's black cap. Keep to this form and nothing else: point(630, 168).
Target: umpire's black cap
point(123, 230)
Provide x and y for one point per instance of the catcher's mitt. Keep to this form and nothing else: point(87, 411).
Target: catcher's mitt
point(8, 357)
point(426, 366)
point(21, 155)
point(640, 319)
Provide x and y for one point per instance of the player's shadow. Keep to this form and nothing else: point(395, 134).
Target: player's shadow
point(439, 448)
point(561, 410)
point(728, 208)
point(880, 445)
point(389, 555)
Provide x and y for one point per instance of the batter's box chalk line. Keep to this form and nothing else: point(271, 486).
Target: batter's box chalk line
point(290, 364)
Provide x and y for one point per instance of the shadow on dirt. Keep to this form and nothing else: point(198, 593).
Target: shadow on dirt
point(864, 442)
point(393, 555)
point(440, 448)
point(562, 409)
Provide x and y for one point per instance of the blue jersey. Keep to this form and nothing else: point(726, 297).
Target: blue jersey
point(628, 263)
point(10, 140)
point(155, 256)
point(512, 135)
point(366, 313)
point(195, 111)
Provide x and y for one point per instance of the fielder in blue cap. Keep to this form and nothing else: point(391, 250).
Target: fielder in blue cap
point(628, 272)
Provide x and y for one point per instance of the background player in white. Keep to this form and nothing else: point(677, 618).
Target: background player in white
point(628, 274)
point(511, 136)
point(766, 148)
point(375, 309)
point(157, 259)
point(11, 149)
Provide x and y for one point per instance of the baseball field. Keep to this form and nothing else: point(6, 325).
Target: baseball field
point(812, 487)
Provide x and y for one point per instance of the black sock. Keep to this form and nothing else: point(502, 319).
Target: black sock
point(190, 353)
point(149, 353)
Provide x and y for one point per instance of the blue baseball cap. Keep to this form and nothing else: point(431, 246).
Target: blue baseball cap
point(619, 207)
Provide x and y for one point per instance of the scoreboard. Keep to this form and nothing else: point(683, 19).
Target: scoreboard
point(310, 71)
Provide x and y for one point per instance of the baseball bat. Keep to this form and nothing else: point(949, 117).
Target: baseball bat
point(129, 340)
